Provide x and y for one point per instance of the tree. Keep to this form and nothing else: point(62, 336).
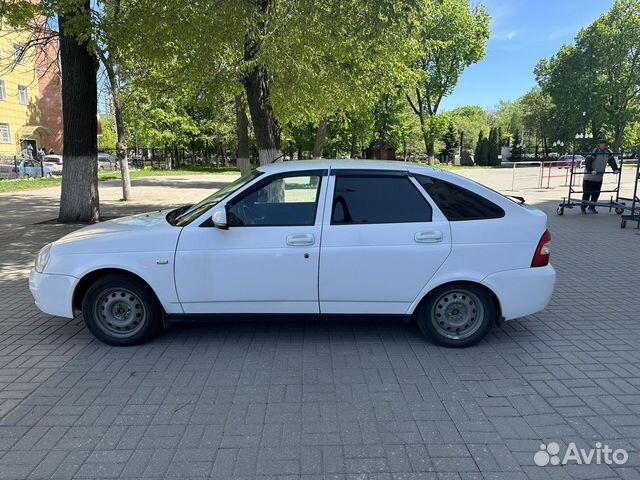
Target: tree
point(79, 201)
point(452, 35)
point(481, 156)
point(517, 151)
point(469, 121)
point(109, 54)
point(345, 56)
point(539, 115)
point(450, 140)
point(596, 81)
point(493, 148)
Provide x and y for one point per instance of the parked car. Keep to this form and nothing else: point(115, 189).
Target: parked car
point(310, 237)
point(106, 161)
point(33, 169)
point(8, 170)
point(55, 162)
point(565, 161)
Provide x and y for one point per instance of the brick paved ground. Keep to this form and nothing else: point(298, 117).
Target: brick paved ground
point(322, 399)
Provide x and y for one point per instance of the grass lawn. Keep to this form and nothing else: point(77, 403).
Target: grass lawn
point(35, 183)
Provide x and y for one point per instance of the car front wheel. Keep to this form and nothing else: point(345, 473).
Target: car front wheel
point(120, 310)
point(457, 315)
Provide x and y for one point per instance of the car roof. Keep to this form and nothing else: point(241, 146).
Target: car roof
point(349, 164)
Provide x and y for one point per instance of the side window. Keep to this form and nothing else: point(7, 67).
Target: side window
point(285, 201)
point(377, 198)
point(458, 203)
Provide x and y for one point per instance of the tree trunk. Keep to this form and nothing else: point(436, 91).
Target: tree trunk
point(619, 135)
point(121, 131)
point(242, 125)
point(354, 146)
point(321, 138)
point(265, 125)
point(428, 143)
point(79, 199)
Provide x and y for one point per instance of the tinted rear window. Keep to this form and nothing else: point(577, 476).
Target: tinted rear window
point(458, 203)
point(377, 198)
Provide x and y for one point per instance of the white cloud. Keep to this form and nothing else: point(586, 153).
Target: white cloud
point(504, 35)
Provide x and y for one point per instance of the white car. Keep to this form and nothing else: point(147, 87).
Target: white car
point(55, 162)
point(310, 237)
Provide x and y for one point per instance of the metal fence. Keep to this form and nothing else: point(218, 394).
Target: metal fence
point(171, 158)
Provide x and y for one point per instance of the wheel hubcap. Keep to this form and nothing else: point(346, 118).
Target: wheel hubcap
point(457, 314)
point(120, 313)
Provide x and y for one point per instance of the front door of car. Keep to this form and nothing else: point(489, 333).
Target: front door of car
point(267, 260)
point(382, 241)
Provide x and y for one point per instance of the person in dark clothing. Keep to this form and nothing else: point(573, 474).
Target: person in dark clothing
point(594, 167)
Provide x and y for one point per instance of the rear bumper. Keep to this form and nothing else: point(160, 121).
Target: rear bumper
point(522, 292)
point(53, 294)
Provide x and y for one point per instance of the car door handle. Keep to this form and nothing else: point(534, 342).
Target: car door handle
point(301, 239)
point(430, 236)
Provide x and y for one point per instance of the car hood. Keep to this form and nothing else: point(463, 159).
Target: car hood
point(144, 232)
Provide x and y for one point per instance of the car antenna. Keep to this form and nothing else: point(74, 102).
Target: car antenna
point(277, 158)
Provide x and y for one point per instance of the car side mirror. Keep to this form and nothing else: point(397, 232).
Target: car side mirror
point(219, 218)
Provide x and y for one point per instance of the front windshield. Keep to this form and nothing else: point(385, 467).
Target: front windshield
point(199, 208)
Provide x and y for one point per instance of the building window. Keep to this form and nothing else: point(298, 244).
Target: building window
point(3, 90)
point(23, 95)
point(19, 52)
point(5, 133)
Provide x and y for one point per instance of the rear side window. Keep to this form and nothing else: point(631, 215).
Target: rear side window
point(377, 198)
point(458, 203)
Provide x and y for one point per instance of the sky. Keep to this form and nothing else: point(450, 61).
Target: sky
point(522, 33)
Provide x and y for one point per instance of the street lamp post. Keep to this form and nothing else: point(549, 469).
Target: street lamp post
point(559, 145)
point(584, 135)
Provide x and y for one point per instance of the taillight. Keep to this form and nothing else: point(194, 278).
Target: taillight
point(541, 257)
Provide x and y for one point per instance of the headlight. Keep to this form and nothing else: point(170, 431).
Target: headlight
point(43, 258)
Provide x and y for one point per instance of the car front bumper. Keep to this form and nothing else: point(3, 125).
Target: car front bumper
point(524, 291)
point(53, 294)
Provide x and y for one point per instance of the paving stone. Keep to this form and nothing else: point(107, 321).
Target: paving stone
point(322, 399)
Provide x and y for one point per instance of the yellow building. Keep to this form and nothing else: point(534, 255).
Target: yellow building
point(20, 111)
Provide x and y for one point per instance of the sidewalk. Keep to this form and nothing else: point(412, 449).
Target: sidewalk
point(322, 399)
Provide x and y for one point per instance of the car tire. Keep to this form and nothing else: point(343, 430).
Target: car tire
point(457, 315)
point(121, 311)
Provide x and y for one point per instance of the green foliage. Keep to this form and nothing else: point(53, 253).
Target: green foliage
point(450, 140)
point(470, 121)
point(493, 148)
point(481, 156)
point(451, 36)
point(598, 75)
point(107, 141)
point(517, 151)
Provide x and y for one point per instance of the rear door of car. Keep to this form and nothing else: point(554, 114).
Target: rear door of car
point(382, 241)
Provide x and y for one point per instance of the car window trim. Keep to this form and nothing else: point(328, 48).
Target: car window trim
point(354, 172)
point(376, 173)
point(320, 173)
point(502, 211)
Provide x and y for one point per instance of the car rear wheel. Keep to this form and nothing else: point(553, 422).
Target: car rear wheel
point(457, 315)
point(121, 311)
